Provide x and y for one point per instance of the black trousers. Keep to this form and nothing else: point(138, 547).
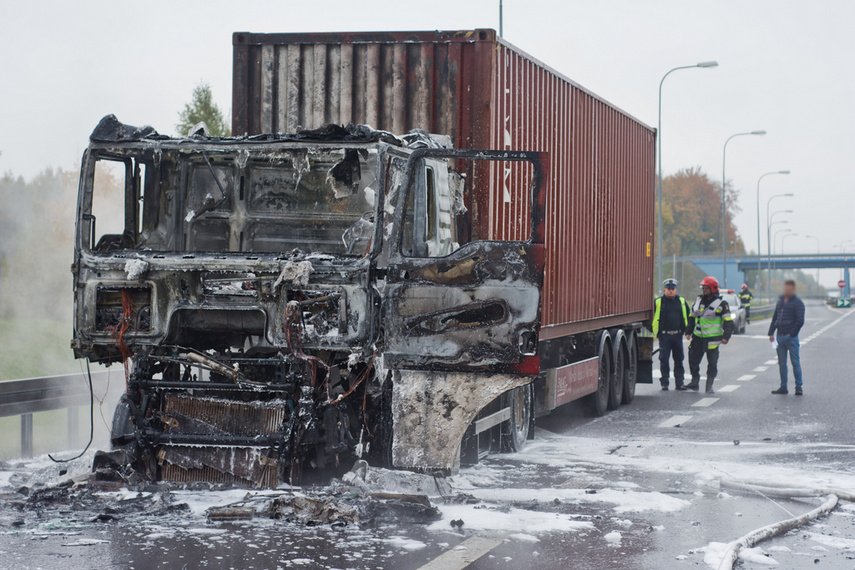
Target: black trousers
point(671, 345)
point(747, 314)
point(697, 350)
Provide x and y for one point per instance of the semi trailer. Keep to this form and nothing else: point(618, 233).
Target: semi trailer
point(412, 245)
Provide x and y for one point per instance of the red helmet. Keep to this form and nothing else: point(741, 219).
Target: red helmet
point(710, 282)
point(744, 286)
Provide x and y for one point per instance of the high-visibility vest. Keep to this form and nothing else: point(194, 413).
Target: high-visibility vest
point(709, 320)
point(657, 305)
point(746, 298)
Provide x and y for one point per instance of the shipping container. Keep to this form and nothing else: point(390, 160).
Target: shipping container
point(485, 94)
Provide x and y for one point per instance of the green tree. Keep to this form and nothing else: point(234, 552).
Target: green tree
point(202, 108)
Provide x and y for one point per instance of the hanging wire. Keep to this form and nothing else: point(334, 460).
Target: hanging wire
point(91, 420)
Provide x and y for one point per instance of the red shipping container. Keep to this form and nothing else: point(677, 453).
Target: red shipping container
point(487, 94)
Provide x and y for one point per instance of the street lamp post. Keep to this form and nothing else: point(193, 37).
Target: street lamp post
point(703, 64)
point(784, 239)
point(724, 202)
point(769, 239)
point(818, 251)
point(759, 257)
point(769, 243)
point(775, 240)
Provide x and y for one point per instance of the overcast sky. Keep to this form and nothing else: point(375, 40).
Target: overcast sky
point(785, 66)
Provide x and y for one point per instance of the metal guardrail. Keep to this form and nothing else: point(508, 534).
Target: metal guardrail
point(762, 311)
point(67, 391)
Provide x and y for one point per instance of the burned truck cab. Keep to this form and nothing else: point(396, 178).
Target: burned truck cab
point(288, 302)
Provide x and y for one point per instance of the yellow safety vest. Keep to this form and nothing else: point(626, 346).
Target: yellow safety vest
point(657, 305)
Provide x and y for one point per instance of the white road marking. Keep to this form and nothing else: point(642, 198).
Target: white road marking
point(675, 421)
point(754, 336)
point(771, 362)
point(728, 388)
point(746, 378)
point(464, 553)
point(705, 403)
point(761, 369)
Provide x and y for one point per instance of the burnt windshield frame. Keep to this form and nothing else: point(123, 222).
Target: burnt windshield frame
point(540, 169)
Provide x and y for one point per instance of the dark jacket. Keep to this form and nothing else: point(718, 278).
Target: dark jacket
point(789, 317)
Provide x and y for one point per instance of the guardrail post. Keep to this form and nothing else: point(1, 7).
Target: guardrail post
point(26, 435)
point(73, 425)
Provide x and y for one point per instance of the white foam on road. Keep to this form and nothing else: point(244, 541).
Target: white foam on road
point(705, 403)
point(728, 388)
point(675, 421)
point(746, 378)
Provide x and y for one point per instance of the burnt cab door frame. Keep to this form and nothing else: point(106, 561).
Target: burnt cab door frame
point(477, 308)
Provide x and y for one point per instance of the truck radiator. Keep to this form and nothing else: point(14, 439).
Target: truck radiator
point(244, 466)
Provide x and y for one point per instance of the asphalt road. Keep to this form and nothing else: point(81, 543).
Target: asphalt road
point(637, 488)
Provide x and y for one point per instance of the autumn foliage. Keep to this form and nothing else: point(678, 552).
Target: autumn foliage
point(691, 215)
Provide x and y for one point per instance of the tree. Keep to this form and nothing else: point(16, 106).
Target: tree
point(691, 215)
point(202, 108)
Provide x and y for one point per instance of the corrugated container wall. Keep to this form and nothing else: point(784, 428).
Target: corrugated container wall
point(484, 93)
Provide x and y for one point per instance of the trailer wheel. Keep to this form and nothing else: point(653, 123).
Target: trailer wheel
point(618, 369)
point(515, 430)
point(631, 376)
point(599, 400)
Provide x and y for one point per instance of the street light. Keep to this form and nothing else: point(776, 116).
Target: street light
point(703, 64)
point(818, 251)
point(769, 238)
point(783, 239)
point(757, 280)
point(775, 241)
point(724, 201)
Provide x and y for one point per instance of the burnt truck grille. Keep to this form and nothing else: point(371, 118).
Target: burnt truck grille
point(214, 415)
point(233, 465)
point(240, 466)
point(110, 309)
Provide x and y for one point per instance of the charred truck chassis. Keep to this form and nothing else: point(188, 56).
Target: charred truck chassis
point(284, 302)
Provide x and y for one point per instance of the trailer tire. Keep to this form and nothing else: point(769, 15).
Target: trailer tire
point(515, 430)
point(631, 376)
point(618, 369)
point(599, 400)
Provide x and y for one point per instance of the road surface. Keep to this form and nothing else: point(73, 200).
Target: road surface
point(637, 488)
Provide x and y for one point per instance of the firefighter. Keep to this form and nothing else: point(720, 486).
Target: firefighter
point(745, 298)
point(670, 322)
point(710, 325)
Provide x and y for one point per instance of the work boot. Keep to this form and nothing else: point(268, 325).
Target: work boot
point(799, 392)
point(664, 387)
point(681, 388)
point(782, 391)
point(709, 389)
point(695, 384)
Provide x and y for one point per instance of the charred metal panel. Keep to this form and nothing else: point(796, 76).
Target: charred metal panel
point(432, 410)
point(466, 310)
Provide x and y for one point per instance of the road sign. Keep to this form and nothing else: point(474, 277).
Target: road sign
point(844, 303)
point(841, 283)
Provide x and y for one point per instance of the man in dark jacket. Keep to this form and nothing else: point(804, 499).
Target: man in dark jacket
point(788, 320)
point(670, 320)
point(710, 325)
